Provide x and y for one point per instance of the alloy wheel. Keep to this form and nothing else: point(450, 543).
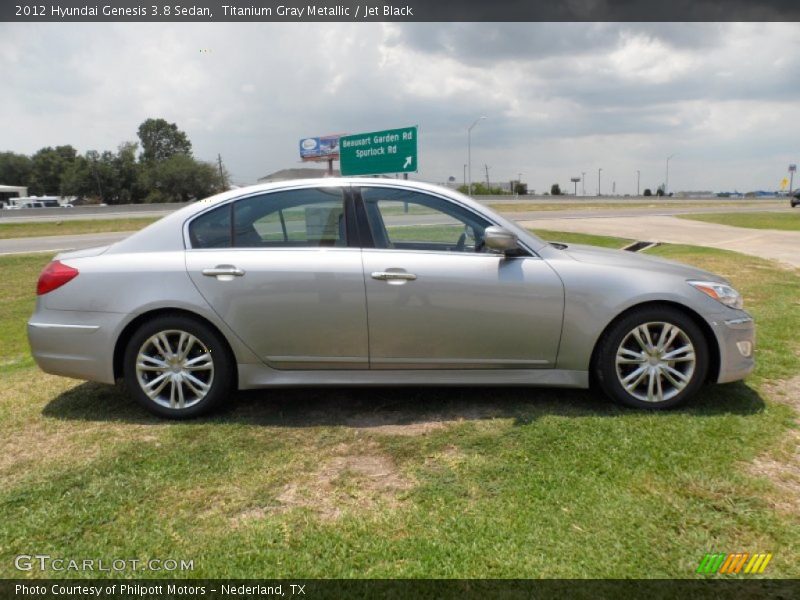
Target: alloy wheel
point(655, 361)
point(174, 369)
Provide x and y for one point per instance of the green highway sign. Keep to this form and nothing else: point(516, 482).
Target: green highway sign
point(378, 152)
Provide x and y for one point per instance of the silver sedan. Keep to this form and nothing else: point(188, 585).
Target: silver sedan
point(377, 282)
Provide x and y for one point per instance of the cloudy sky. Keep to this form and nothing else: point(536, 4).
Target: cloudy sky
point(560, 99)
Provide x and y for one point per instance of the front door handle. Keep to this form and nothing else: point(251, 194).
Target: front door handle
point(223, 272)
point(393, 275)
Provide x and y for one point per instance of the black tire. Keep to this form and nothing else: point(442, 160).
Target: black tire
point(620, 338)
point(208, 347)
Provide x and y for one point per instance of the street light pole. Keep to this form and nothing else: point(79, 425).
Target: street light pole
point(469, 153)
point(583, 183)
point(666, 179)
point(638, 175)
point(598, 181)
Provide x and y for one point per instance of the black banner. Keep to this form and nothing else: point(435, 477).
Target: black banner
point(402, 11)
point(156, 589)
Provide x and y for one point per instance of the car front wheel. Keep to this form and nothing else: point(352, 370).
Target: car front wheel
point(177, 367)
point(653, 357)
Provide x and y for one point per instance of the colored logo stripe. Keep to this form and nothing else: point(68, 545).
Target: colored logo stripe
point(711, 563)
point(734, 563)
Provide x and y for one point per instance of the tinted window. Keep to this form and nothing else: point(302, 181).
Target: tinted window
point(309, 217)
point(297, 218)
point(406, 220)
point(212, 229)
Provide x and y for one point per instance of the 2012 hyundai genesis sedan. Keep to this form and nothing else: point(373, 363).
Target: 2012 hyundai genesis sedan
point(377, 282)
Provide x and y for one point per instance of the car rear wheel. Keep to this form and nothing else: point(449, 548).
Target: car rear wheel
point(178, 367)
point(654, 357)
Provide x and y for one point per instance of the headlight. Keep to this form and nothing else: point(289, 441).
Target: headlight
point(719, 292)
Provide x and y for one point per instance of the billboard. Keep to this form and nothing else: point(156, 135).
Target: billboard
point(320, 148)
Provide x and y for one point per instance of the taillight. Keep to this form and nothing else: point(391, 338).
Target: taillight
point(54, 276)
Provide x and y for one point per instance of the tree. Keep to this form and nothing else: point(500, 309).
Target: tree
point(647, 192)
point(15, 169)
point(48, 166)
point(106, 176)
point(180, 178)
point(660, 190)
point(480, 189)
point(128, 174)
point(555, 189)
point(78, 180)
point(161, 140)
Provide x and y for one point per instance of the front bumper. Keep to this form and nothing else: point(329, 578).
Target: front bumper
point(736, 335)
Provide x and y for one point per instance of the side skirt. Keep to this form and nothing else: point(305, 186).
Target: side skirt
point(259, 376)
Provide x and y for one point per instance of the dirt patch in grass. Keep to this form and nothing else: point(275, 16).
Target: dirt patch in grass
point(782, 467)
point(355, 480)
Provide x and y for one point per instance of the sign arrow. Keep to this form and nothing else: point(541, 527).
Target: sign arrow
point(408, 162)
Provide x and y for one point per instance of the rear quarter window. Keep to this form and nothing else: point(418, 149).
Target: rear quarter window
point(212, 229)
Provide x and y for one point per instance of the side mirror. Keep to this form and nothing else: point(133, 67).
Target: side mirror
point(499, 239)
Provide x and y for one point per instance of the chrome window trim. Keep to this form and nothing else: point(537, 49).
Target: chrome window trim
point(187, 244)
point(346, 187)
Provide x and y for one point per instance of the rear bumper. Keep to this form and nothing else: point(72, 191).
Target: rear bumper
point(75, 344)
point(735, 332)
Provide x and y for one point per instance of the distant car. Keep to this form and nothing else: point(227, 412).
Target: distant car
point(377, 282)
point(795, 200)
point(67, 205)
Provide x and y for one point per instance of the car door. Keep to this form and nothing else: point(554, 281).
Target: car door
point(437, 299)
point(277, 268)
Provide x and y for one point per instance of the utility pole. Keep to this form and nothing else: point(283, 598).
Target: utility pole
point(583, 183)
point(221, 172)
point(666, 179)
point(465, 176)
point(638, 175)
point(487, 178)
point(600, 170)
point(469, 153)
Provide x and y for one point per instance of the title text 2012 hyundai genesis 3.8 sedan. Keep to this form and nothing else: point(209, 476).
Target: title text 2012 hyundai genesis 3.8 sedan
point(377, 282)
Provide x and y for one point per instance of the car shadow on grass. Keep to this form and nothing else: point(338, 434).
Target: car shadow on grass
point(388, 407)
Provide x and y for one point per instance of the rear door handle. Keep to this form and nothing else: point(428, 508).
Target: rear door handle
point(393, 275)
point(224, 272)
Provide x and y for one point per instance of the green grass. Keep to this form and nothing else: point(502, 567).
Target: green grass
point(70, 227)
point(420, 482)
point(582, 238)
point(17, 296)
point(783, 221)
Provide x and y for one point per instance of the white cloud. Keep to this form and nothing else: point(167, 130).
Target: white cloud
point(561, 98)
